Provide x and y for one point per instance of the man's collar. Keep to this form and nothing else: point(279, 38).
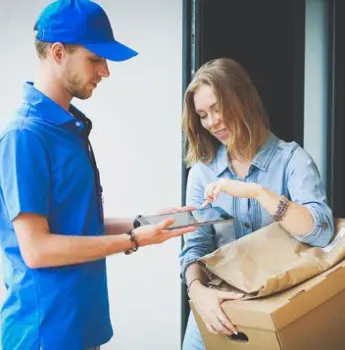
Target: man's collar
point(87, 123)
point(50, 111)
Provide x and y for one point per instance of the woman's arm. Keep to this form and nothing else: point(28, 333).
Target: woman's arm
point(308, 216)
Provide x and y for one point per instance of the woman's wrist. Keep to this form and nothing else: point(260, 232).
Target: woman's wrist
point(257, 192)
point(194, 284)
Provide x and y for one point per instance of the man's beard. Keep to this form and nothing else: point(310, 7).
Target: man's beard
point(75, 88)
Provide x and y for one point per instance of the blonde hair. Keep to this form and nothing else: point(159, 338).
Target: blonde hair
point(239, 104)
point(42, 48)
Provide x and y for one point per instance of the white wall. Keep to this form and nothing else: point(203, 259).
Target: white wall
point(136, 137)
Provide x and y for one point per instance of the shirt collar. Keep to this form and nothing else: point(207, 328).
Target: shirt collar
point(261, 160)
point(221, 161)
point(265, 153)
point(52, 112)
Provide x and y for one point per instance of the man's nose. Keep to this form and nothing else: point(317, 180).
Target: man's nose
point(104, 70)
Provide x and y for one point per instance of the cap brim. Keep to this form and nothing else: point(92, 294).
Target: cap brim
point(113, 51)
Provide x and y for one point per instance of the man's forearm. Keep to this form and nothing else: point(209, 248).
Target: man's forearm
point(117, 226)
point(59, 250)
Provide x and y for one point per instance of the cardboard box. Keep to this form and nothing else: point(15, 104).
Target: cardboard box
point(310, 316)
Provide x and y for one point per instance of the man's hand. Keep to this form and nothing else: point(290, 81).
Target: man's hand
point(156, 234)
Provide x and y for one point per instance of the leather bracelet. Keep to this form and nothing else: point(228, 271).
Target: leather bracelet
point(281, 209)
point(135, 245)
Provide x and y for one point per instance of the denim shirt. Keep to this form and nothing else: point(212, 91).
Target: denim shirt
point(282, 167)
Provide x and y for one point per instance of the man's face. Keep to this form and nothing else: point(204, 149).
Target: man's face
point(81, 71)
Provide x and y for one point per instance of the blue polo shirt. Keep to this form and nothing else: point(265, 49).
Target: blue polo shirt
point(46, 168)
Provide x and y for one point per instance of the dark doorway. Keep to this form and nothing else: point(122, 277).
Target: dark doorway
point(267, 38)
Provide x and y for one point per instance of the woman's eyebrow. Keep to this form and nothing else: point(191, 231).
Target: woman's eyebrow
point(212, 106)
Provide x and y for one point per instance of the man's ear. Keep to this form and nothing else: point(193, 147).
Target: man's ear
point(57, 51)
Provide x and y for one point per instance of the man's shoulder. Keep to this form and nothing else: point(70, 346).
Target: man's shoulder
point(21, 126)
point(24, 120)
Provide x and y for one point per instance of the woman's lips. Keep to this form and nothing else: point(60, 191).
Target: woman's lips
point(221, 134)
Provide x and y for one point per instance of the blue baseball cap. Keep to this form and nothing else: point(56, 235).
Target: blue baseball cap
point(84, 23)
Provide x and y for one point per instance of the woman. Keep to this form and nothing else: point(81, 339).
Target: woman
point(239, 165)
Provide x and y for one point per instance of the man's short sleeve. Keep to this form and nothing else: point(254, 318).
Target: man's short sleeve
point(24, 173)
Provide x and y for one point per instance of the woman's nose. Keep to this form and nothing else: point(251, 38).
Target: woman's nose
point(212, 119)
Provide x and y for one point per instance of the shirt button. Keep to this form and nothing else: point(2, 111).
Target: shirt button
point(77, 124)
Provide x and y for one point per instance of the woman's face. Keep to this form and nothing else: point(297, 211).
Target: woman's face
point(206, 106)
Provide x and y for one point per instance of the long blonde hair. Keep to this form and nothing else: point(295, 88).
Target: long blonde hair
point(239, 104)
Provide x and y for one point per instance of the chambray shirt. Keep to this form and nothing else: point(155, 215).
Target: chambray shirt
point(282, 167)
point(46, 169)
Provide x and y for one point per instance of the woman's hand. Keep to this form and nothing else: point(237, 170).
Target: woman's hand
point(233, 188)
point(207, 302)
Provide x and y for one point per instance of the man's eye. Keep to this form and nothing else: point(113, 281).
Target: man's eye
point(95, 59)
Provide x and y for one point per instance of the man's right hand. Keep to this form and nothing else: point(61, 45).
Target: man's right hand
point(207, 303)
point(156, 234)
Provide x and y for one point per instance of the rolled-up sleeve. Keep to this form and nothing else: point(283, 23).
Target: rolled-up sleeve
point(305, 187)
point(201, 241)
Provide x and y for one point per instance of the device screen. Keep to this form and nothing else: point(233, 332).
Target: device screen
point(196, 217)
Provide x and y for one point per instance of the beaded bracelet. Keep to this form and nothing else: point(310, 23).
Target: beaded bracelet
point(281, 209)
point(135, 245)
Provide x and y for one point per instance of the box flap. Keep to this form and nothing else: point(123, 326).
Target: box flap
point(277, 311)
point(248, 338)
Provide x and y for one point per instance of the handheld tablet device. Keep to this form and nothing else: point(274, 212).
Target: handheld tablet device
point(198, 217)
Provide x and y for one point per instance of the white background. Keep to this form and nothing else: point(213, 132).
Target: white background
point(137, 140)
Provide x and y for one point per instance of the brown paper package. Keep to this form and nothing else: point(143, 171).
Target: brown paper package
point(270, 260)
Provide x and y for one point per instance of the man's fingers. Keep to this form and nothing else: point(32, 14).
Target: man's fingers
point(178, 232)
point(163, 232)
point(163, 225)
